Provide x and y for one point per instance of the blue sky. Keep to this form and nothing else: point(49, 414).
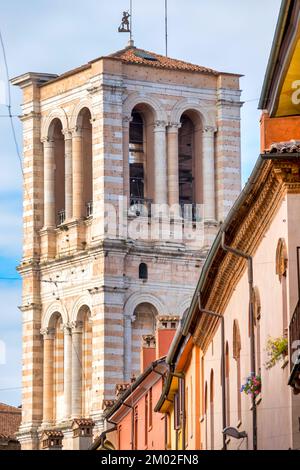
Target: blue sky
point(54, 36)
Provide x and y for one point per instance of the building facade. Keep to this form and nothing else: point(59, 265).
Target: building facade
point(102, 144)
point(239, 378)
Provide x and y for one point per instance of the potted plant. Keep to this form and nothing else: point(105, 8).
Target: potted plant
point(277, 349)
point(252, 386)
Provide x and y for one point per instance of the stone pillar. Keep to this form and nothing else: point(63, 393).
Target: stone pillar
point(77, 328)
point(48, 370)
point(208, 153)
point(173, 164)
point(160, 163)
point(77, 173)
point(127, 347)
point(68, 175)
point(67, 372)
point(126, 172)
point(49, 183)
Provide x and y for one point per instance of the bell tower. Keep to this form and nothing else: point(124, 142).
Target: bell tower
point(131, 162)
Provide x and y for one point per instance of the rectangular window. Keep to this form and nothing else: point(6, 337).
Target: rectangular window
point(146, 420)
point(176, 412)
point(136, 428)
point(150, 409)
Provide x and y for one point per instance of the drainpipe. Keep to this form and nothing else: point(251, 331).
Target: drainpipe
point(181, 377)
point(220, 317)
point(132, 424)
point(249, 259)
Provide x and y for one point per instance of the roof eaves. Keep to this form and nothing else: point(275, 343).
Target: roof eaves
point(277, 41)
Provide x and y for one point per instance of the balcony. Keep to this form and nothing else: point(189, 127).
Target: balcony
point(294, 333)
point(61, 217)
point(89, 209)
point(140, 207)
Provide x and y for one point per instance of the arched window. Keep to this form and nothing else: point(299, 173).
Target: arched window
point(144, 324)
point(227, 383)
point(236, 347)
point(190, 159)
point(137, 158)
point(186, 152)
point(257, 315)
point(58, 163)
point(143, 271)
point(281, 271)
point(212, 411)
point(86, 164)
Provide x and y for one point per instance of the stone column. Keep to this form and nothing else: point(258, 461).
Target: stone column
point(126, 172)
point(68, 175)
point(77, 328)
point(48, 370)
point(77, 173)
point(49, 183)
point(67, 372)
point(160, 163)
point(209, 193)
point(173, 164)
point(127, 347)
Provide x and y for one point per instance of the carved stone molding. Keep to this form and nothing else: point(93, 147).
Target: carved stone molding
point(48, 333)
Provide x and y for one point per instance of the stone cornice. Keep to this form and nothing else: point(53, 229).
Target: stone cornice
point(245, 232)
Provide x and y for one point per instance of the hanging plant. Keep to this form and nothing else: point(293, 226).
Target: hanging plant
point(252, 386)
point(277, 349)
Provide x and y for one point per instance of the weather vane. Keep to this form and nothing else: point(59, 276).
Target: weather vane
point(126, 24)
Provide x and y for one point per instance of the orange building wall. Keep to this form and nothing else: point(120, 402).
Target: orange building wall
point(281, 129)
point(156, 434)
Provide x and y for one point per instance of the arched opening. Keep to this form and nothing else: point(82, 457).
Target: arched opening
point(84, 318)
point(85, 125)
point(144, 324)
point(190, 159)
point(227, 383)
point(143, 271)
point(236, 347)
point(58, 165)
point(141, 155)
point(58, 369)
point(256, 317)
point(205, 415)
point(212, 411)
point(281, 271)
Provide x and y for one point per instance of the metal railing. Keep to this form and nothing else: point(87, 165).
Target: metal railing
point(140, 207)
point(61, 217)
point(189, 211)
point(294, 330)
point(89, 209)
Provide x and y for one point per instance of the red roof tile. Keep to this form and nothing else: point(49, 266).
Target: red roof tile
point(10, 420)
point(132, 55)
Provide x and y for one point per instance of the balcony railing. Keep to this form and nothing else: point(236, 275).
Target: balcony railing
point(189, 211)
point(140, 207)
point(294, 330)
point(89, 209)
point(61, 217)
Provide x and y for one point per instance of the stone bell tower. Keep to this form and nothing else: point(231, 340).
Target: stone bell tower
point(131, 161)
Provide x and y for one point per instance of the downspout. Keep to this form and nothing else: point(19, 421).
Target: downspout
point(181, 377)
point(132, 424)
point(249, 259)
point(221, 317)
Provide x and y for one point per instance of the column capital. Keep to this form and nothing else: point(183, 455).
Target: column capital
point(47, 141)
point(76, 326)
point(48, 333)
point(67, 134)
point(174, 126)
point(76, 131)
point(209, 130)
point(160, 125)
point(66, 328)
point(127, 120)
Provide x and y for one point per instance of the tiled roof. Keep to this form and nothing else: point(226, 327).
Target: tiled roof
point(293, 146)
point(10, 420)
point(132, 55)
